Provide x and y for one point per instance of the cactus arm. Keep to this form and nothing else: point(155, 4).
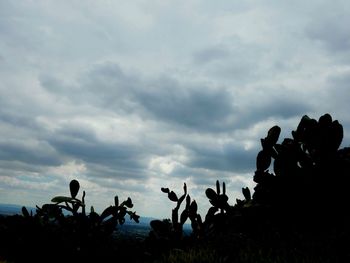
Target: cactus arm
point(83, 204)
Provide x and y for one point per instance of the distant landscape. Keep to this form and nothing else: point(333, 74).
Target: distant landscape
point(129, 228)
point(10, 209)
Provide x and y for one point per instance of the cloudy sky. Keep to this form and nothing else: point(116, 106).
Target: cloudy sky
point(131, 96)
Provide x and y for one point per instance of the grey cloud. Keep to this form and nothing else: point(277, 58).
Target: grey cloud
point(282, 101)
point(210, 54)
point(182, 105)
point(37, 153)
point(200, 178)
point(103, 159)
point(197, 107)
point(332, 30)
point(171, 104)
point(17, 119)
point(12, 166)
point(281, 108)
point(119, 170)
point(121, 185)
point(110, 87)
point(56, 86)
point(168, 100)
point(234, 61)
point(338, 93)
point(109, 78)
point(275, 108)
point(94, 151)
point(339, 85)
point(227, 158)
point(337, 96)
point(164, 99)
point(104, 85)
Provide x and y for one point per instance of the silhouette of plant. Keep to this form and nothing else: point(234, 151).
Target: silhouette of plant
point(78, 234)
point(72, 204)
point(218, 219)
point(218, 200)
point(69, 203)
point(311, 175)
point(107, 222)
point(173, 230)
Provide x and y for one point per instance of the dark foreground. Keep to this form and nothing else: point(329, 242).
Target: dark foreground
point(21, 241)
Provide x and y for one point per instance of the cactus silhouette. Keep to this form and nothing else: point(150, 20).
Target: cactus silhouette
point(64, 229)
point(173, 229)
point(217, 199)
point(72, 204)
point(106, 223)
point(310, 173)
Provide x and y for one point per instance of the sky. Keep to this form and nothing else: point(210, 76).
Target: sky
point(131, 96)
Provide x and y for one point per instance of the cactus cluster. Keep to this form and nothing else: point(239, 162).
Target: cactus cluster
point(64, 225)
point(69, 203)
point(107, 222)
point(217, 199)
point(214, 219)
point(310, 172)
point(173, 229)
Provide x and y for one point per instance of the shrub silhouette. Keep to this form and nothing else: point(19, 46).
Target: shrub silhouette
point(78, 236)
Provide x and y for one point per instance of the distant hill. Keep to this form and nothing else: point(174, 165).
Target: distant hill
point(129, 225)
point(128, 229)
point(10, 209)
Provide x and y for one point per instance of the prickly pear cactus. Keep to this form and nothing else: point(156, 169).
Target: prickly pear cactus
point(173, 230)
point(310, 173)
point(217, 199)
